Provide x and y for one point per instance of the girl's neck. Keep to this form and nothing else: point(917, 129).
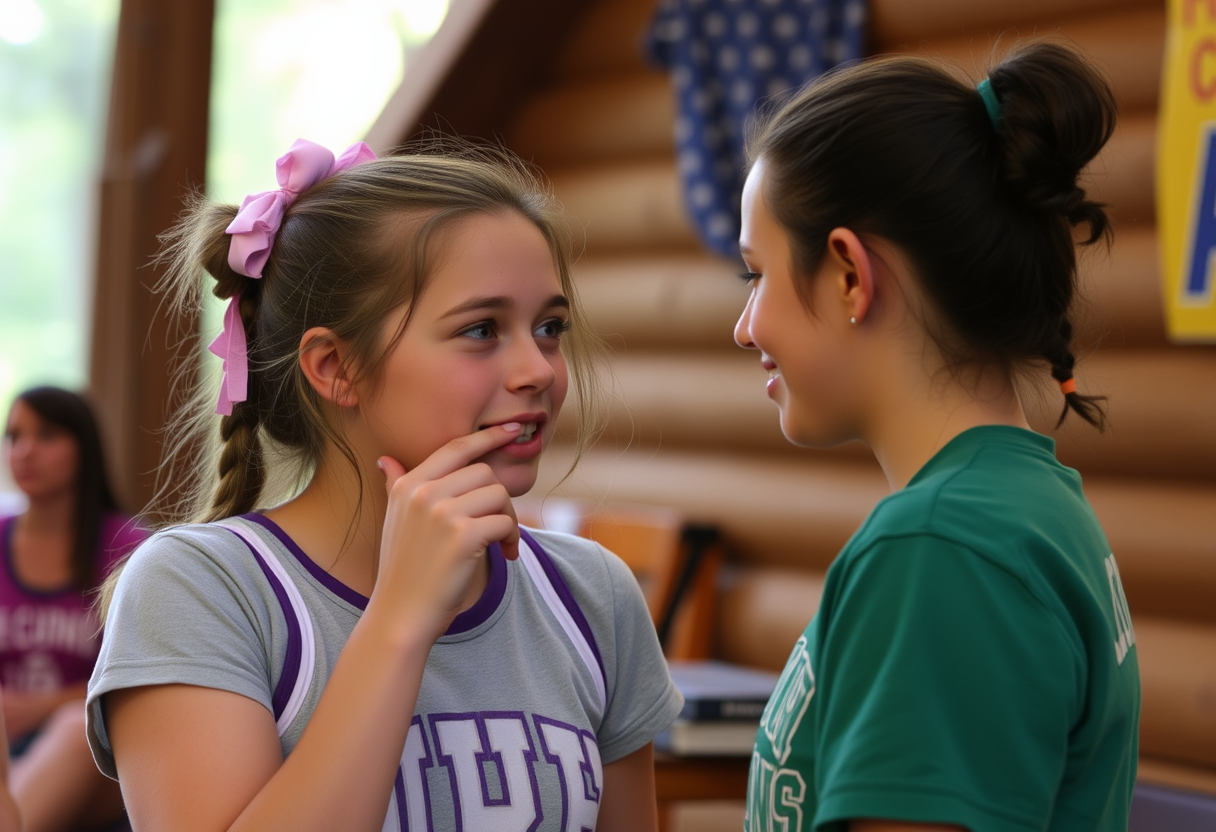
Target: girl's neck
point(909, 431)
point(41, 554)
point(50, 516)
point(337, 520)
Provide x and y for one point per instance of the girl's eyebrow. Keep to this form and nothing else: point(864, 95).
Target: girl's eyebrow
point(481, 304)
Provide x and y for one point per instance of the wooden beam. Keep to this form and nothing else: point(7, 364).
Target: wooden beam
point(155, 151)
point(487, 58)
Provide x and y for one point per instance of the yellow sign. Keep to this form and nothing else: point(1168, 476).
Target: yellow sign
point(1186, 171)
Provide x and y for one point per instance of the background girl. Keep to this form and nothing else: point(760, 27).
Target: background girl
point(910, 246)
point(55, 554)
point(361, 657)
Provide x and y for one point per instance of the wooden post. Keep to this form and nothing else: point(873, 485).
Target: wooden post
point(155, 151)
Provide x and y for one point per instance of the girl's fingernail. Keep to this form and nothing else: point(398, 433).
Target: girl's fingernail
point(512, 427)
point(380, 465)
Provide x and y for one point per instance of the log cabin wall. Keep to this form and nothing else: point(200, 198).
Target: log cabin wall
point(691, 428)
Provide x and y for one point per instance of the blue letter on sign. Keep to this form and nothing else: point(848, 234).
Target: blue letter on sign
point(1198, 287)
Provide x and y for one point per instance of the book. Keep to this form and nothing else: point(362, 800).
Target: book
point(715, 690)
point(723, 704)
point(719, 737)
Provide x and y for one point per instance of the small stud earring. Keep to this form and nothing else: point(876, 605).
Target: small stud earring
point(853, 321)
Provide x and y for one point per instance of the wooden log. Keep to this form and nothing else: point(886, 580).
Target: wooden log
point(639, 205)
point(634, 206)
point(1127, 45)
point(609, 37)
point(894, 22)
point(632, 114)
point(693, 301)
point(1119, 300)
point(1201, 779)
point(1123, 175)
point(1178, 685)
point(762, 612)
point(597, 120)
point(690, 302)
point(665, 400)
point(1163, 535)
point(786, 510)
point(1178, 384)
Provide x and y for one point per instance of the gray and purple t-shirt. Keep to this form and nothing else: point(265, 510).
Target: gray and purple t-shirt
point(553, 673)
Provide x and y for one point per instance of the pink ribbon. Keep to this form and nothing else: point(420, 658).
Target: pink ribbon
point(230, 346)
point(252, 232)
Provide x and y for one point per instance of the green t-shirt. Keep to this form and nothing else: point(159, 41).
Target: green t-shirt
point(972, 661)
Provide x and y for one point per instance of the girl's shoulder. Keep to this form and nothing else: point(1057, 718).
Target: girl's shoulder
point(191, 551)
point(577, 557)
point(597, 577)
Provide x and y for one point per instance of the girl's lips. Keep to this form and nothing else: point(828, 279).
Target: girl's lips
point(774, 375)
point(524, 419)
point(533, 429)
point(774, 379)
point(523, 450)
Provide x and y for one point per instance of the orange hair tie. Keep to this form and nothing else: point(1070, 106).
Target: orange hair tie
point(1069, 386)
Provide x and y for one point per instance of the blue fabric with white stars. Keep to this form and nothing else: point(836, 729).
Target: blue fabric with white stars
point(725, 57)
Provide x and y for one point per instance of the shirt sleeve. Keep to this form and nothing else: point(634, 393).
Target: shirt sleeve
point(946, 692)
point(642, 699)
point(180, 616)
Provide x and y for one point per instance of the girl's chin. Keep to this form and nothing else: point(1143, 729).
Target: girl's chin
point(517, 478)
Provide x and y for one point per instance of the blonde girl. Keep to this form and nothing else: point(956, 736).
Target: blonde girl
point(386, 649)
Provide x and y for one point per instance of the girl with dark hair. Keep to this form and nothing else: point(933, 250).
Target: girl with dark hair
point(910, 239)
point(55, 554)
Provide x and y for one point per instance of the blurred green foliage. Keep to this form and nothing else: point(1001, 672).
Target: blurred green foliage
point(53, 92)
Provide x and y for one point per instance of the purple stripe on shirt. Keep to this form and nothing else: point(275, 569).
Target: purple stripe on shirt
point(322, 577)
point(291, 664)
point(566, 596)
point(474, 616)
point(481, 611)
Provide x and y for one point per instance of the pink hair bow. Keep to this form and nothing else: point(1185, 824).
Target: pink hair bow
point(303, 166)
point(253, 231)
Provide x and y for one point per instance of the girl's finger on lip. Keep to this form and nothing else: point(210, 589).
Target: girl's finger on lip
point(462, 450)
point(481, 442)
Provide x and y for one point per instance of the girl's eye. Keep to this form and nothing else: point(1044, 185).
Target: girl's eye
point(749, 277)
point(480, 331)
point(552, 328)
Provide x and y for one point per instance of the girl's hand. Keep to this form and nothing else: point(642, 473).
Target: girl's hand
point(441, 518)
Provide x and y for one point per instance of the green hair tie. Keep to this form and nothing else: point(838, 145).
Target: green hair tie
point(991, 103)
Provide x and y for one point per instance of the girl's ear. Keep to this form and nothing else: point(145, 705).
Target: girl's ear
point(323, 362)
point(854, 273)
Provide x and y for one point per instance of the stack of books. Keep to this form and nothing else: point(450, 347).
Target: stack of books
point(723, 704)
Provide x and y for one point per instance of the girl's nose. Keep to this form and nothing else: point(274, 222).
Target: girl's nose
point(743, 336)
point(531, 367)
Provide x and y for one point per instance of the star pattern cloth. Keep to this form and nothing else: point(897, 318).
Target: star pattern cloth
point(725, 58)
